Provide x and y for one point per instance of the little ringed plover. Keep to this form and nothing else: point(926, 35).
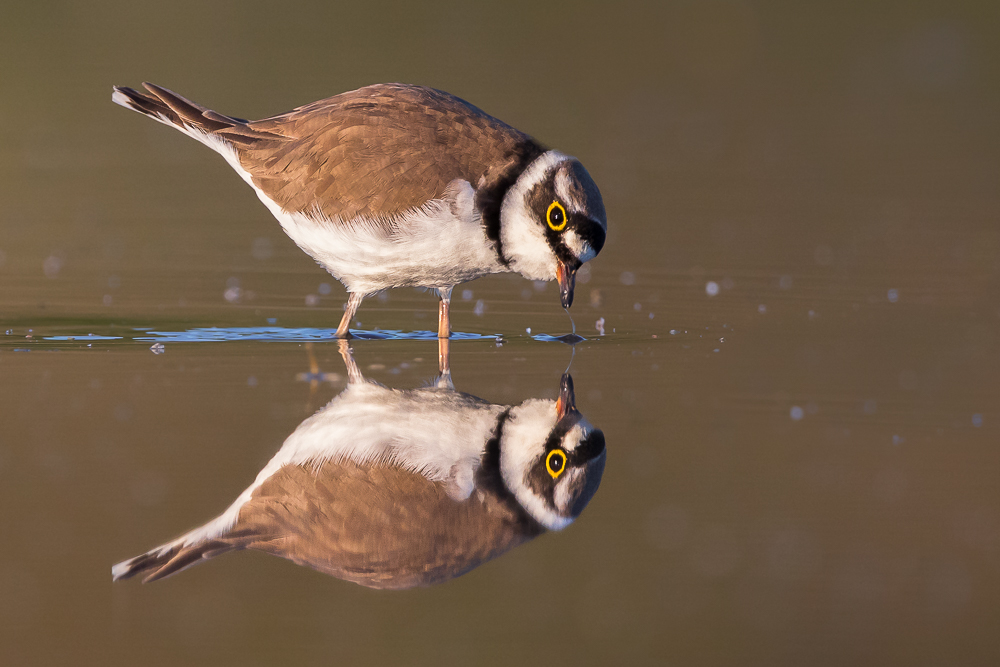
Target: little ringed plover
point(395, 185)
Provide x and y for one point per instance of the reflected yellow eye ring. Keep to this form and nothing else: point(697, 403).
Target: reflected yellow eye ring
point(555, 462)
point(556, 217)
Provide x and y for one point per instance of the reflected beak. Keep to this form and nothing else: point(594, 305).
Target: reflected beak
point(567, 398)
point(567, 280)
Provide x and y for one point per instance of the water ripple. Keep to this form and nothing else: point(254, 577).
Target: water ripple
point(283, 334)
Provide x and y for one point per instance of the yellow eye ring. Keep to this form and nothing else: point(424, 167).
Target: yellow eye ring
point(556, 217)
point(555, 462)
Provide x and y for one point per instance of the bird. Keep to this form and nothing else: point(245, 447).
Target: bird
point(396, 488)
point(398, 185)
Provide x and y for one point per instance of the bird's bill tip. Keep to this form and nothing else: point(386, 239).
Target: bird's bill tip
point(566, 275)
point(566, 402)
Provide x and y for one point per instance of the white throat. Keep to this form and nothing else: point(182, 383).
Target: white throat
point(520, 232)
point(522, 445)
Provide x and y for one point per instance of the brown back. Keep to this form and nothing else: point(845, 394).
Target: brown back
point(377, 151)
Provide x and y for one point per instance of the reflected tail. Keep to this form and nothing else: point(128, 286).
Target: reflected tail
point(207, 541)
point(169, 559)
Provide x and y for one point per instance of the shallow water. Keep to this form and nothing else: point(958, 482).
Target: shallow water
point(797, 378)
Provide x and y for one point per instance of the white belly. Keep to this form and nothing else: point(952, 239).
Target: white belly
point(430, 247)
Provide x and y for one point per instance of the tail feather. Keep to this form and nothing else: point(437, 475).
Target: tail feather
point(169, 559)
point(150, 106)
point(190, 112)
point(193, 119)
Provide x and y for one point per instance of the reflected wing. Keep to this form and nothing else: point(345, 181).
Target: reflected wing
point(377, 525)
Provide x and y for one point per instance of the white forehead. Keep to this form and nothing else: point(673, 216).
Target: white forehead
point(576, 434)
point(564, 190)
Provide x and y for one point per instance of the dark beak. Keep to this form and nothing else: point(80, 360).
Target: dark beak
point(567, 280)
point(567, 398)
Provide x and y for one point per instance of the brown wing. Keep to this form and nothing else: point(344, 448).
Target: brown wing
point(377, 151)
point(377, 525)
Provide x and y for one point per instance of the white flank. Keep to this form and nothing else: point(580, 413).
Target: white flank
point(426, 247)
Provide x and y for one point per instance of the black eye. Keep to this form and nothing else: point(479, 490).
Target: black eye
point(556, 216)
point(555, 462)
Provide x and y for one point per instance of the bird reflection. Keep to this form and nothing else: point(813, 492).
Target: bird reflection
point(393, 489)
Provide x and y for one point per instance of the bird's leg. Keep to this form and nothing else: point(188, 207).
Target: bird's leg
point(313, 377)
point(350, 308)
point(444, 309)
point(313, 364)
point(444, 364)
point(354, 375)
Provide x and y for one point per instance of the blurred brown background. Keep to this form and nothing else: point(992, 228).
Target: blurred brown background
point(801, 288)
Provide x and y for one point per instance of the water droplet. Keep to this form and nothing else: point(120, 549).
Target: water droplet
point(796, 413)
point(711, 288)
point(261, 248)
point(52, 265)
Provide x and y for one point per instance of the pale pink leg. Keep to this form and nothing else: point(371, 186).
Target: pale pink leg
point(444, 316)
point(353, 301)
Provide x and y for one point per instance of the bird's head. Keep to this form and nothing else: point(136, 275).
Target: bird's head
point(552, 221)
point(552, 458)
